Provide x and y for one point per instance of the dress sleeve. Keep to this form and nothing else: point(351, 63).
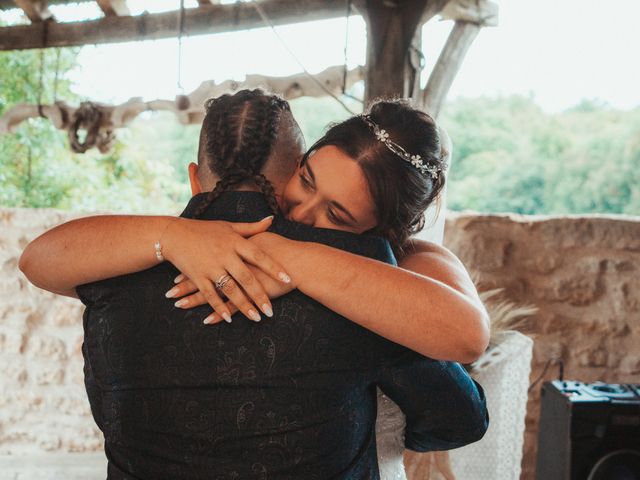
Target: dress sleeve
point(444, 407)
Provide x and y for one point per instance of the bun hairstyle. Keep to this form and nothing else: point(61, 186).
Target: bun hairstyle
point(238, 134)
point(401, 192)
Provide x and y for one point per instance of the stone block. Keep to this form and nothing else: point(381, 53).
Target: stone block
point(12, 342)
point(593, 357)
point(544, 262)
point(630, 363)
point(49, 441)
point(546, 348)
point(66, 314)
point(488, 253)
point(47, 346)
point(578, 291)
point(14, 374)
point(631, 297)
point(51, 374)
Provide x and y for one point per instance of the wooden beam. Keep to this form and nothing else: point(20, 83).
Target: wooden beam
point(481, 12)
point(197, 21)
point(36, 10)
point(391, 28)
point(189, 109)
point(446, 68)
point(112, 8)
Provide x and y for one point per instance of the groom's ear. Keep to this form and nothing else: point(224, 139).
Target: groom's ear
point(196, 188)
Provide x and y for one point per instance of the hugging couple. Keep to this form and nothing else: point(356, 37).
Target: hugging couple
point(247, 337)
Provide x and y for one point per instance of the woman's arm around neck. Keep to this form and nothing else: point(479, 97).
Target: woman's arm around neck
point(428, 304)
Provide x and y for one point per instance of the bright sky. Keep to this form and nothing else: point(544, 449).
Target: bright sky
point(561, 51)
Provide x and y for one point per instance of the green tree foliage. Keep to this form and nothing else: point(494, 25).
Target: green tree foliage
point(510, 156)
point(144, 172)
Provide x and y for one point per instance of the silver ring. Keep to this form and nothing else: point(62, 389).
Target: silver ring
point(222, 281)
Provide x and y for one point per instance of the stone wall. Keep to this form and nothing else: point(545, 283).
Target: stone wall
point(581, 272)
point(43, 405)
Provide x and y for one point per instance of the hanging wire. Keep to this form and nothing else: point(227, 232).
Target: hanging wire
point(55, 79)
point(346, 46)
point(270, 24)
point(554, 360)
point(180, 32)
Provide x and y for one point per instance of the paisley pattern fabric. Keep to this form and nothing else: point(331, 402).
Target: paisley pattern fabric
point(291, 397)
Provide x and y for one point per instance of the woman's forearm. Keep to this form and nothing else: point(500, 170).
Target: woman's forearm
point(91, 249)
point(414, 310)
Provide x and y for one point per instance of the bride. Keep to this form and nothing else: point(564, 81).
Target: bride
point(375, 173)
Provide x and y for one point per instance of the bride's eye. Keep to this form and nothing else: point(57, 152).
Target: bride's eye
point(306, 183)
point(333, 218)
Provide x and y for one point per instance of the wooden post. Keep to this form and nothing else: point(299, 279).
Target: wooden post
point(469, 17)
point(446, 68)
point(391, 27)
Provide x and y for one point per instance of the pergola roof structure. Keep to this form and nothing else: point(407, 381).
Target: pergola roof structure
point(393, 38)
point(117, 25)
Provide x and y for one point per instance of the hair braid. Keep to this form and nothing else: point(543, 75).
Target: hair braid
point(266, 187)
point(240, 133)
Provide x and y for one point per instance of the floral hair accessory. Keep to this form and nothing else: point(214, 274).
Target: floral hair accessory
point(415, 160)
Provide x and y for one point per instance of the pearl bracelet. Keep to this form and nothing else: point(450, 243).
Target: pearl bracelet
point(159, 252)
point(158, 245)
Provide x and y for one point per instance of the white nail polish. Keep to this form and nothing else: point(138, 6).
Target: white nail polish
point(227, 317)
point(208, 320)
point(179, 278)
point(284, 277)
point(267, 310)
point(172, 293)
point(253, 315)
point(181, 303)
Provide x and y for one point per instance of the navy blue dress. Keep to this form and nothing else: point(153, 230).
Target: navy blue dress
point(291, 397)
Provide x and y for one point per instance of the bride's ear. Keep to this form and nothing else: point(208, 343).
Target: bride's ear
point(196, 188)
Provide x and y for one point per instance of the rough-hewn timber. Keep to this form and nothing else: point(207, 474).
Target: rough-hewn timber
point(35, 10)
point(202, 20)
point(447, 66)
point(113, 7)
point(391, 27)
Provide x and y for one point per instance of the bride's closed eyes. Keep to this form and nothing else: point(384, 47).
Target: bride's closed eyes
point(308, 185)
point(329, 190)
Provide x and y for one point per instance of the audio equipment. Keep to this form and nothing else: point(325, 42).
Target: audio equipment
point(589, 431)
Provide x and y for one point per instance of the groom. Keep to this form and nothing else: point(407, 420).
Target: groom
point(293, 397)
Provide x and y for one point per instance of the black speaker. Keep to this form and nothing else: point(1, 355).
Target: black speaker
point(589, 431)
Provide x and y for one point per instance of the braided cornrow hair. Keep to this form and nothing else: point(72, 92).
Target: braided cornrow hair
point(240, 132)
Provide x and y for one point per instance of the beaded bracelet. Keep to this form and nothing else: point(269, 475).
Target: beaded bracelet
point(158, 244)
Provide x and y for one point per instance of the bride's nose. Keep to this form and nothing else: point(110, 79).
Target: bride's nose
point(303, 213)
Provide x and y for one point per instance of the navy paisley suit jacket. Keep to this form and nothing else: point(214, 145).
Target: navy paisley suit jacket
point(291, 397)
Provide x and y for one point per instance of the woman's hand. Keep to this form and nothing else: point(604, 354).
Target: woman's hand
point(195, 298)
point(208, 251)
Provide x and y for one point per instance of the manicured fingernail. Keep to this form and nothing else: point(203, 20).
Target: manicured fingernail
point(172, 293)
point(253, 315)
point(270, 217)
point(284, 277)
point(181, 303)
point(267, 310)
point(227, 317)
point(209, 319)
point(179, 278)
